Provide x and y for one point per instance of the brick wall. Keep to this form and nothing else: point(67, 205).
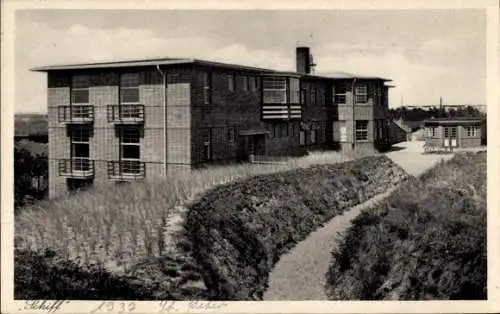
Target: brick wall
point(104, 141)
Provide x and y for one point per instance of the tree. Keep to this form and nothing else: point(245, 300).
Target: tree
point(23, 169)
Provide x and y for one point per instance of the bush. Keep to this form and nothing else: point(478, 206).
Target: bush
point(426, 241)
point(239, 231)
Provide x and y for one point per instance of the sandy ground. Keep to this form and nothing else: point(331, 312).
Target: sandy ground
point(300, 274)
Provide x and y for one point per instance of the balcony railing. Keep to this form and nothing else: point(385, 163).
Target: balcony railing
point(75, 114)
point(281, 112)
point(125, 114)
point(126, 170)
point(76, 168)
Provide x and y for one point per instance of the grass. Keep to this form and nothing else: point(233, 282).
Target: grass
point(130, 229)
point(426, 241)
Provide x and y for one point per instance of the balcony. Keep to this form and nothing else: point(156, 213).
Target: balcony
point(76, 168)
point(281, 112)
point(126, 170)
point(75, 114)
point(125, 114)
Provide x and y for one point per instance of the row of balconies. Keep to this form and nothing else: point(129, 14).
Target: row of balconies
point(84, 168)
point(116, 114)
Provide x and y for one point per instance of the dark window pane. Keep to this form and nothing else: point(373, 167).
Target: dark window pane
point(80, 96)
point(80, 134)
point(129, 80)
point(80, 81)
point(131, 152)
point(81, 150)
point(130, 135)
point(129, 95)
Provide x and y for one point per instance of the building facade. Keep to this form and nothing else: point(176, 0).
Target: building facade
point(121, 121)
point(455, 132)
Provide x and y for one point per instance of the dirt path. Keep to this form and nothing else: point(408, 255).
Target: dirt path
point(300, 274)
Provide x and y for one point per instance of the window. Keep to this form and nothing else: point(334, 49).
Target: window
point(446, 132)
point(230, 82)
point(280, 130)
point(321, 96)
point(313, 95)
point(471, 131)
point(284, 130)
point(313, 136)
point(340, 93)
point(207, 145)
point(245, 83)
point(361, 94)
point(130, 150)
point(343, 134)
point(80, 89)
point(302, 140)
point(294, 91)
point(303, 96)
point(361, 130)
point(454, 132)
point(231, 134)
point(432, 131)
point(206, 87)
point(80, 148)
point(274, 90)
point(129, 88)
point(253, 83)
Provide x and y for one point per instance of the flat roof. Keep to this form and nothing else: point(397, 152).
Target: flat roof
point(179, 61)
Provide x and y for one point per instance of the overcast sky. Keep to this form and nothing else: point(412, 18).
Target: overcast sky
point(427, 53)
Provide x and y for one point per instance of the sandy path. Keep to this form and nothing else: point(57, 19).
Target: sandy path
point(300, 274)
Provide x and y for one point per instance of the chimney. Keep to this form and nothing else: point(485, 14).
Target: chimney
point(303, 58)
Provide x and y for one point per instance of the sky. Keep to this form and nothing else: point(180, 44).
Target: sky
point(427, 53)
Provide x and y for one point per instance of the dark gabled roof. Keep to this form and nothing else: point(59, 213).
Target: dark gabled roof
point(179, 61)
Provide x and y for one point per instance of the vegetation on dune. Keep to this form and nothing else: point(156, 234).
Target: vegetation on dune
point(426, 241)
point(135, 229)
point(239, 231)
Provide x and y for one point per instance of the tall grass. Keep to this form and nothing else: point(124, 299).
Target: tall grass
point(117, 226)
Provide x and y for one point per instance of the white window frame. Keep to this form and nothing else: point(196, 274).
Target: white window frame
point(338, 97)
point(361, 133)
point(361, 94)
point(274, 89)
point(472, 131)
point(77, 87)
point(130, 88)
point(80, 137)
point(129, 144)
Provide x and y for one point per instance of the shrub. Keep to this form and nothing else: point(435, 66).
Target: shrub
point(425, 241)
point(239, 231)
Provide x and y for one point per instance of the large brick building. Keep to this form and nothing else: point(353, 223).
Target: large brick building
point(119, 121)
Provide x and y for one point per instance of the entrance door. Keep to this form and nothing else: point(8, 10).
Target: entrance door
point(255, 146)
point(450, 136)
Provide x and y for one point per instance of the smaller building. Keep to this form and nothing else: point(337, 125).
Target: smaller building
point(453, 133)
